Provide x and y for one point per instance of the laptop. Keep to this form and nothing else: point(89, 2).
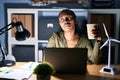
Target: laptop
point(67, 60)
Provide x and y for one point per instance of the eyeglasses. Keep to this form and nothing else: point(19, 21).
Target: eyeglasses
point(67, 18)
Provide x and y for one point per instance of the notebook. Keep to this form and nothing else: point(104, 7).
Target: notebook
point(19, 73)
point(67, 60)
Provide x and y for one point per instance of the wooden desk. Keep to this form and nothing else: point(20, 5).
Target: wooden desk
point(92, 74)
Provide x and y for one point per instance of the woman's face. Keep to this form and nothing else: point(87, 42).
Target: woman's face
point(67, 22)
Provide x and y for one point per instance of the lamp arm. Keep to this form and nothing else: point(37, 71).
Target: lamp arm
point(7, 28)
point(3, 30)
point(3, 53)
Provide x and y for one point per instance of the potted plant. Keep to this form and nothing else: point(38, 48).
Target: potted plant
point(44, 71)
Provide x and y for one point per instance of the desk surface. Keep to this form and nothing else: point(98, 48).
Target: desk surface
point(92, 74)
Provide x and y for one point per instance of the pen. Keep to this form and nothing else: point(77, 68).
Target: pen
point(31, 65)
point(8, 71)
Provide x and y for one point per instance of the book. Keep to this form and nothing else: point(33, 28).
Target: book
point(21, 73)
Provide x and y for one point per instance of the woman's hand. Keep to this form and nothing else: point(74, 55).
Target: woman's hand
point(97, 33)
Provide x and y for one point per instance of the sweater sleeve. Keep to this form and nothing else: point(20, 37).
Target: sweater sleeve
point(94, 53)
point(51, 41)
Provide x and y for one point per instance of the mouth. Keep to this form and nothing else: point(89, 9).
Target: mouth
point(67, 24)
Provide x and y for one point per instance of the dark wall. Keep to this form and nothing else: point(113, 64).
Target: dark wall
point(117, 3)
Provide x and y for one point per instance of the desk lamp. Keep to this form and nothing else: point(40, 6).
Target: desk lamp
point(20, 35)
point(108, 69)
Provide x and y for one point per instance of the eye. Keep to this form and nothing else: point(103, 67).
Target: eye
point(67, 18)
point(61, 19)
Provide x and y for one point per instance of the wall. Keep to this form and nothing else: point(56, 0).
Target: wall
point(117, 3)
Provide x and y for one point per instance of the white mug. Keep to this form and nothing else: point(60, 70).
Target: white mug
point(90, 27)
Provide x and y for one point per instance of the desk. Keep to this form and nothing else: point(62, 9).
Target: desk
point(92, 74)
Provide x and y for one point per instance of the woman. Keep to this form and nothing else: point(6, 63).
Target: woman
point(70, 37)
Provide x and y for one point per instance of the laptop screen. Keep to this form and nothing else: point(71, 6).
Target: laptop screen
point(67, 60)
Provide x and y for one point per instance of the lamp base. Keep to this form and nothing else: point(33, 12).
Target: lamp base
point(7, 63)
point(109, 70)
point(1, 64)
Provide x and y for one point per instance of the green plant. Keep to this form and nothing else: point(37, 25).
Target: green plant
point(44, 69)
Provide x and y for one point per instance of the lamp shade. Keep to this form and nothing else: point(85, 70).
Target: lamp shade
point(21, 33)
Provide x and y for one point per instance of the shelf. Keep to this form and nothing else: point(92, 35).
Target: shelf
point(102, 4)
point(42, 22)
point(27, 20)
